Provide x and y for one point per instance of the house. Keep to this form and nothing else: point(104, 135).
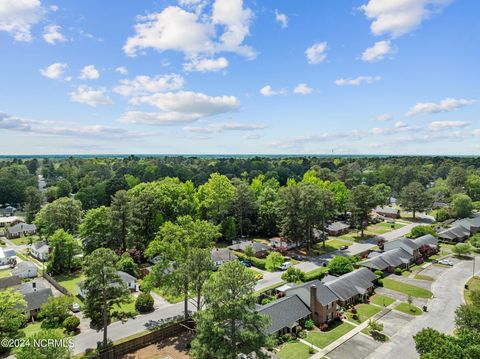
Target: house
point(278, 242)
point(222, 255)
point(7, 211)
point(388, 260)
point(351, 287)
point(337, 228)
point(25, 269)
point(35, 294)
point(259, 249)
point(409, 245)
point(40, 250)
point(471, 224)
point(286, 314)
point(455, 234)
point(7, 256)
point(388, 212)
point(428, 240)
point(11, 281)
point(4, 221)
point(129, 280)
point(20, 230)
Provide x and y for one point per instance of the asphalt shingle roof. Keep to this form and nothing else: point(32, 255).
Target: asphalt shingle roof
point(10, 281)
point(284, 312)
point(324, 295)
point(36, 298)
point(257, 246)
point(337, 226)
point(352, 284)
point(392, 258)
point(222, 255)
point(427, 239)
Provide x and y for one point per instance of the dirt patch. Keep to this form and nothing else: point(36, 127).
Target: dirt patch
point(171, 348)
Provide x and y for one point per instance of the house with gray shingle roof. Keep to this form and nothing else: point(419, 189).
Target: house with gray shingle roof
point(12, 281)
point(25, 269)
point(407, 244)
point(35, 294)
point(222, 255)
point(337, 228)
point(388, 260)
point(285, 314)
point(455, 234)
point(259, 249)
point(388, 212)
point(40, 250)
point(20, 230)
point(353, 286)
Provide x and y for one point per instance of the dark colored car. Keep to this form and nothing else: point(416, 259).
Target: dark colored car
point(299, 257)
point(343, 248)
point(246, 263)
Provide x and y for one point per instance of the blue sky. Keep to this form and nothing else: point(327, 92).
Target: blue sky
point(233, 76)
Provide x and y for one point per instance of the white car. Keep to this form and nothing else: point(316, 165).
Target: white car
point(75, 307)
point(285, 265)
point(446, 262)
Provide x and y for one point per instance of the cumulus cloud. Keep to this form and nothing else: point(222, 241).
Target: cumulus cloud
point(269, 91)
point(54, 71)
point(206, 65)
point(194, 33)
point(52, 34)
point(378, 51)
point(122, 70)
point(89, 73)
point(357, 81)
point(228, 126)
point(398, 17)
point(282, 19)
point(448, 104)
point(316, 53)
point(18, 16)
point(180, 107)
point(384, 117)
point(302, 89)
point(58, 128)
point(444, 125)
point(142, 85)
point(90, 96)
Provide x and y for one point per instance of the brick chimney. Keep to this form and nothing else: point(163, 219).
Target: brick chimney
point(313, 304)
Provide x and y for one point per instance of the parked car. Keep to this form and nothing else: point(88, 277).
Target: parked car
point(246, 263)
point(75, 307)
point(445, 262)
point(299, 257)
point(285, 265)
point(343, 248)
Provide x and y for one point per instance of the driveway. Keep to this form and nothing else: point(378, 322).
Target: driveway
point(448, 295)
point(357, 347)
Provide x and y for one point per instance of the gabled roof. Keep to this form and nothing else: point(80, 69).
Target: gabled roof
point(427, 239)
point(352, 284)
point(284, 312)
point(324, 295)
point(337, 226)
point(25, 265)
point(21, 228)
point(29, 287)
point(40, 246)
point(390, 210)
point(222, 255)
point(127, 278)
point(454, 233)
point(257, 246)
point(10, 281)
point(36, 298)
point(392, 258)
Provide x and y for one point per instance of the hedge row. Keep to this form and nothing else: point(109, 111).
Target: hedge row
point(256, 262)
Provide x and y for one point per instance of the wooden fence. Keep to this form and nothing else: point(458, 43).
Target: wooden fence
point(57, 285)
point(155, 336)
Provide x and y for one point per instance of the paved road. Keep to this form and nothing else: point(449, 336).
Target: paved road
point(448, 295)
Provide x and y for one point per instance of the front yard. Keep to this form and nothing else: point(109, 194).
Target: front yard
point(322, 339)
point(406, 288)
point(364, 312)
point(294, 349)
point(408, 309)
point(381, 300)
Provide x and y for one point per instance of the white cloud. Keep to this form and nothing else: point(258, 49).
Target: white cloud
point(52, 34)
point(18, 16)
point(54, 71)
point(282, 19)
point(142, 85)
point(229, 126)
point(476, 132)
point(54, 8)
point(316, 53)
point(90, 96)
point(89, 73)
point(269, 91)
point(357, 81)
point(384, 117)
point(194, 33)
point(378, 51)
point(398, 17)
point(302, 89)
point(448, 104)
point(122, 70)
point(206, 65)
point(180, 107)
point(443, 125)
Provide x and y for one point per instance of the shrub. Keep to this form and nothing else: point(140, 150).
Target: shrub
point(315, 274)
point(353, 310)
point(419, 231)
point(308, 324)
point(398, 271)
point(419, 260)
point(340, 265)
point(71, 323)
point(379, 273)
point(311, 350)
point(303, 334)
point(355, 317)
point(442, 215)
point(273, 261)
point(380, 282)
point(462, 249)
point(267, 300)
point(293, 275)
point(256, 262)
point(144, 303)
point(324, 327)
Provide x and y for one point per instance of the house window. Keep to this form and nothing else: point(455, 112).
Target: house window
point(327, 306)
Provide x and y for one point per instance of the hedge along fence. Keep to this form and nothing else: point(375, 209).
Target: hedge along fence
point(57, 285)
point(118, 350)
point(260, 263)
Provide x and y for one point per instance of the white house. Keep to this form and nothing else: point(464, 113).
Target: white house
point(278, 242)
point(25, 269)
point(129, 280)
point(7, 256)
point(40, 250)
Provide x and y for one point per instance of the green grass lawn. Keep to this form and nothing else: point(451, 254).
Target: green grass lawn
point(169, 294)
point(424, 277)
point(25, 240)
point(473, 283)
point(364, 311)
point(258, 275)
point(406, 288)
point(408, 309)
point(127, 308)
point(69, 281)
point(381, 300)
point(295, 350)
point(322, 339)
point(5, 273)
point(384, 227)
